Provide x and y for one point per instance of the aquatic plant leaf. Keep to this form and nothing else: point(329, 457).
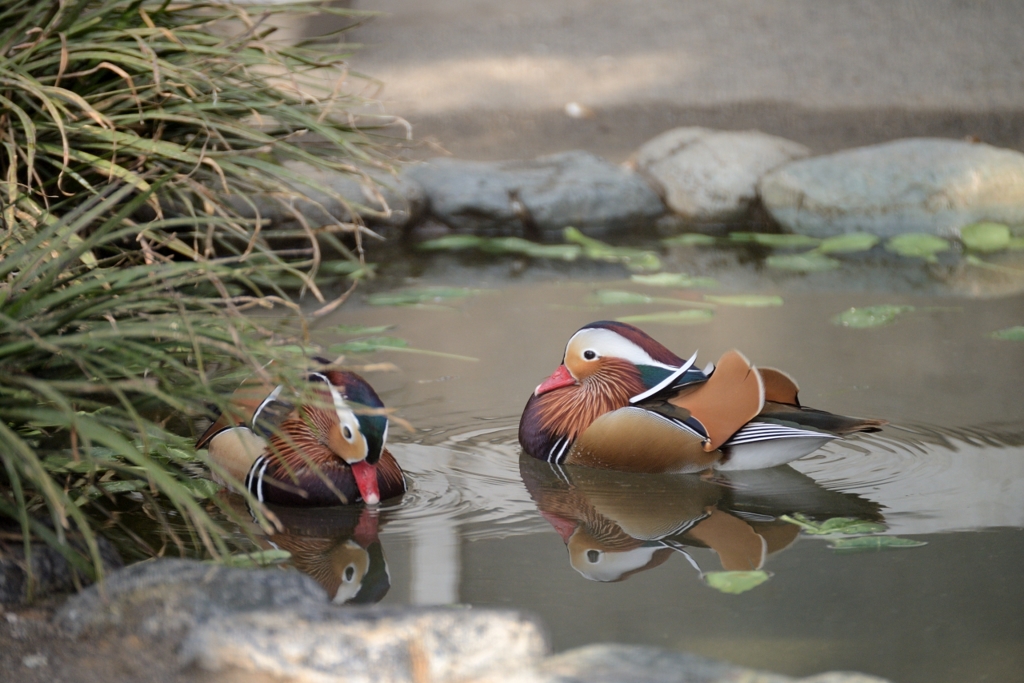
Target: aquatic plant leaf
point(693, 316)
point(775, 240)
point(1010, 334)
point(917, 244)
point(634, 259)
point(870, 316)
point(985, 236)
point(735, 583)
point(1015, 243)
point(258, 558)
point(201, 488)
point(412, 297)
point(748, 300)
point(517, 245)
point(865, 543)
point(616, 297)
point(690, 239)
point(848, 243)
point(807, 262)
point(836, 525)
point(681, 280)
point(362, 329)
point(451, 243)
point(369, 345)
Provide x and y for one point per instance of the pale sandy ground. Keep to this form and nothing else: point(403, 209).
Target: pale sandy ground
point(491, 78)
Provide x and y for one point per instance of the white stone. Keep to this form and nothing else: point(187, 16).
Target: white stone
point(913, 185)
point(711, 176)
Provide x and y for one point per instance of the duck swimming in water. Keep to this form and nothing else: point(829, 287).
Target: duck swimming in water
point(621, 400)
point(328, 450)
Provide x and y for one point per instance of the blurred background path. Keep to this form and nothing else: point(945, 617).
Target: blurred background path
point(490, 79)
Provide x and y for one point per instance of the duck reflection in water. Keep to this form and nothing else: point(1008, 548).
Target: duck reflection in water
point(617, 524)
point(337, 546)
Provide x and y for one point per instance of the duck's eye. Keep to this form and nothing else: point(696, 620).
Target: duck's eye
point(593, 556)
point(350, 573)
point(590, 354)
point(346, 431)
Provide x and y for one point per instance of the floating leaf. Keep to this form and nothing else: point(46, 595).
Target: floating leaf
point(864, 543)
point(808, 262)
point(748, 300)
point(634, 259)
point(259, 558)
point(735, 582)
point(1015, 243)
point(690, 239)
point(917, 244)
point(419, 296)
point(362, 329)
point(848, 243)
point(870, 316)
point(1010, 334)
point(775, 240)
point(615, 297)
point(517, 245)
point(985, 236)
point(836, 525)
point(390, 344)
point(451, 243)
point(681, 280)
point(692, 316)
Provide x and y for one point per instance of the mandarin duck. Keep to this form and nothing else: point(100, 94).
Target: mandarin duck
point(620, 400)
point(616, 524)
point(327, 450)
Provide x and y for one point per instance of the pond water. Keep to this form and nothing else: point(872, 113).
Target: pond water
point(605, 557)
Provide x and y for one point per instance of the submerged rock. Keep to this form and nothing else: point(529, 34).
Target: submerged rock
point(914, 185)
point(537, 198)
point(711, 176)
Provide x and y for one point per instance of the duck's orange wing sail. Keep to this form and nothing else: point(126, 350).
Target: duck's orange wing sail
point(732, 396)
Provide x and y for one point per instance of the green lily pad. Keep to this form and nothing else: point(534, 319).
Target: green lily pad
point(451, 243)
point(870, 316)
point(1010, 334)
point(775, 240)
point(517, 245)
point(419, 296)
point(634, 259)
point(690, 239)
point(836, 525)
point(985, 236)
point(693, 316)
point(362, 329)
point(807, 262)
point(919, 245)
point(681, 280)
point(735, 583)
point(865, 543)
point(748, 300)
point(848, 243)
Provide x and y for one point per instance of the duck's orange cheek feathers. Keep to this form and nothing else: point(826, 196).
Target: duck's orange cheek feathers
point(559, 378)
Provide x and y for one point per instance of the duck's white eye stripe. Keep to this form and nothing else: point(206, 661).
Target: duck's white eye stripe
point(340, 406)
point(269, 399)
point(607, 343)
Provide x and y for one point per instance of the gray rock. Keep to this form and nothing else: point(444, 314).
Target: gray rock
point(379, 198)
point(609, 663)
point(537, 198)
point(913, 185)
point(164, 597)
point(711, 176)
point(325, 643)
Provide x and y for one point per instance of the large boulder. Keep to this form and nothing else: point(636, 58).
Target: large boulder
point(711, 176)
point(537, 198)
point(913, 185)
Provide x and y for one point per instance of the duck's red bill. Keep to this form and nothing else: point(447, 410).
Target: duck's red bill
point(559, 378)
point(366, 480)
